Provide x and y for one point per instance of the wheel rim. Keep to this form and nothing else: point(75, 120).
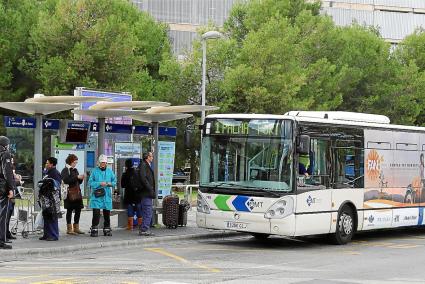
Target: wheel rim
point(347, 224)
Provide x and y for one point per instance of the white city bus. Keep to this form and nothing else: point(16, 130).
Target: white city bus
point(308, 173)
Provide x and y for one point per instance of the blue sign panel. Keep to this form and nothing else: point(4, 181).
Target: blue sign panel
point(51, 124)
point(113, 97)
point(167, 131)
point(78, 125)
point(19, 122)
point(94, 127)
point(112, 128)
point(143, 130)
point(162, 131)
point(118, 128)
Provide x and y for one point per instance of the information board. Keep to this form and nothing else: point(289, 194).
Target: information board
point(165, 167)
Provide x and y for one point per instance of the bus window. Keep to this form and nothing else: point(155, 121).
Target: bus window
point(348, 166)
point(320, 151)
point(407, 146)
point(379, 145)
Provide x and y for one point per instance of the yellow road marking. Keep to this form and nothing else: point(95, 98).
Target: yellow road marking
point(359, 242)
point(56, 281)
point(378, 244)
point(181, 259)
point(226, 249)
point(75, 268)
point(405, 246)
point(32, 276)
point(17, 279)
point(352, 252)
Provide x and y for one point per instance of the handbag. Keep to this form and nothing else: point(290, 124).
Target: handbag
point(99, 192)
point(64, 190)
point(74, 193)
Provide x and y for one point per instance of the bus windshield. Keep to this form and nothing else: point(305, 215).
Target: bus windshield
point(247, 155)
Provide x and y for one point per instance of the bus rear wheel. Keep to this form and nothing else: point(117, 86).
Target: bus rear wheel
point(260, 236)
point(344, 226)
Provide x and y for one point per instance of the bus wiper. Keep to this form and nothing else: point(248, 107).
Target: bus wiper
point(228, 184)
point(247, 187)
point(272, 192)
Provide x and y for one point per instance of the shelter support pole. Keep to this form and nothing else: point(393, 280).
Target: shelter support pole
point(204, 74)
point(38, 156)
point(156, 170)
point(101, 137)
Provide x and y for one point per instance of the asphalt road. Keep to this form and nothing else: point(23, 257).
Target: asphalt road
point(378, 257)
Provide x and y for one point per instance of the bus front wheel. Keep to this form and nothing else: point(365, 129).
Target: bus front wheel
point(344, 226)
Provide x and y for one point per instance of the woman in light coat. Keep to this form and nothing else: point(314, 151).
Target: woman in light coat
point(102, 182)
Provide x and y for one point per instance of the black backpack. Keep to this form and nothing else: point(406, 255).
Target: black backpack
point(134, 181)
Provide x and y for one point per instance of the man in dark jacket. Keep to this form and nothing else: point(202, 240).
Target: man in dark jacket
point(147, 181)
point(7, 187)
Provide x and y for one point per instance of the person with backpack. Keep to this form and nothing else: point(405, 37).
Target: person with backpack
point(132, 194)
point(52, 196)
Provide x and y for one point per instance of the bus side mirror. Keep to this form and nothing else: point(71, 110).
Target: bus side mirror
point(303, 146)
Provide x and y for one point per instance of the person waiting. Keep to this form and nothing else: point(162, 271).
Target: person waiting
point(132, 194)
point(102, 182)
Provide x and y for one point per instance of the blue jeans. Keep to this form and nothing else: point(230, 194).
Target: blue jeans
point(146, 213)
point(51, 228)
point(134, 207)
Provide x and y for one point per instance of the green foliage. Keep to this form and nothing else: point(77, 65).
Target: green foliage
point(283, 55)
point(16, 18)
point(102, 44)
point(53, 46)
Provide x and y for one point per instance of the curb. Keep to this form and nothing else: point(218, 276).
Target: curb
point(8, 255)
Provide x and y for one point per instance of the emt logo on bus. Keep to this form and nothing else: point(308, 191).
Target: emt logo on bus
point(374, 161)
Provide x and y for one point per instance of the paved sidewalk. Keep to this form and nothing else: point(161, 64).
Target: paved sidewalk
point(32, 246)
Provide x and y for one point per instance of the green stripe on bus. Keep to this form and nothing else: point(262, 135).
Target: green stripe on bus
point(220, 202)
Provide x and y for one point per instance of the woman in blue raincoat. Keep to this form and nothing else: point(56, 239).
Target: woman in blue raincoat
point(102, 182)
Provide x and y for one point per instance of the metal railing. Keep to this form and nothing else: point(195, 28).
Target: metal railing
point(188, 191)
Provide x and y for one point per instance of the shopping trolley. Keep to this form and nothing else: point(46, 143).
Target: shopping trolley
point(25, 219)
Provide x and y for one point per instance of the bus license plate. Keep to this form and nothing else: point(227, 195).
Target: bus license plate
point(235, 225)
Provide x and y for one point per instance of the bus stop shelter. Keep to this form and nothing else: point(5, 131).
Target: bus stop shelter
point(153, 115)
point(40, 106)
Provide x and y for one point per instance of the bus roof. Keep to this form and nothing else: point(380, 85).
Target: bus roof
point(363, 120)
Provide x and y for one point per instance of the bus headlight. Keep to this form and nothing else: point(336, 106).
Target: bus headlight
point(280, 209)
point(202, 205)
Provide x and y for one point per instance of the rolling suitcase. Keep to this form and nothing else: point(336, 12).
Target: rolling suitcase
point(170, 211)
point(184, 206)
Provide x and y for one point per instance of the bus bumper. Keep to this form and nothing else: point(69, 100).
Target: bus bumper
point(237, 221)
point(246, 222)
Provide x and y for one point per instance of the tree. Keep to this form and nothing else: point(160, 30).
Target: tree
point(409, 89)
point(283, 55)
point(17, 18)
point(99, 44)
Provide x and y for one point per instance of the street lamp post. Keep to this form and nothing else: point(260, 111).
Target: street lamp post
point(205, 37)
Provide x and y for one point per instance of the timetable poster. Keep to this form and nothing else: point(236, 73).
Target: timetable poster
point(165, 167)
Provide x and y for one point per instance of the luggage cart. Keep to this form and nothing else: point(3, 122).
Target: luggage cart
point(25, 218)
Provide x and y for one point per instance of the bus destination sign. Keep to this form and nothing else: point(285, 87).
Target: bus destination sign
point(254, 127)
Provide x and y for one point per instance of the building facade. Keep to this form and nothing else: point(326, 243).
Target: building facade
point(395, 19)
